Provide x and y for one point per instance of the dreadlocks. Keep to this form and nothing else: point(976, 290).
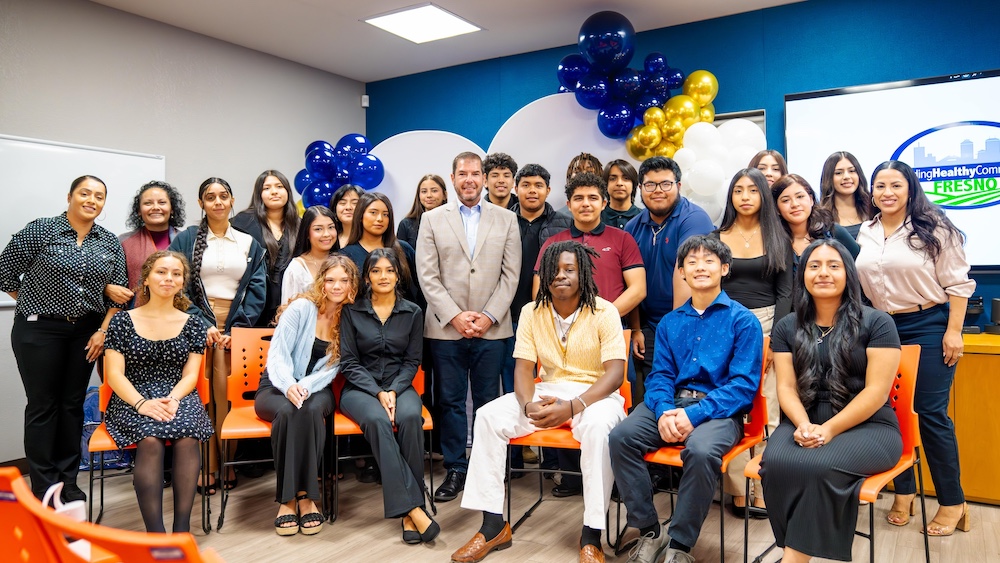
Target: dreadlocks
point(550, 266)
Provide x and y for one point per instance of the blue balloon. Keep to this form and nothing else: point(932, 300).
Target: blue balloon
point(367, 171)
point(615, 119)
point(655, 63)
point(592, 91)
point(571, 69)
point(675, 78)
point(353, 145)
point(655, 84)
point(607, 41)
point(319, 164)
point(626, 85)
point(318, 145)
point(649, 100)
point(342, 159)
point(317, 193)
point(563, 90)
point(303, 179)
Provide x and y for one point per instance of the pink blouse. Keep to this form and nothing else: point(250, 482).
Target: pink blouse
point(896, 277)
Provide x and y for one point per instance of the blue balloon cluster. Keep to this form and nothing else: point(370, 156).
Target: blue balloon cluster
point(328, 167)
point(601, 80)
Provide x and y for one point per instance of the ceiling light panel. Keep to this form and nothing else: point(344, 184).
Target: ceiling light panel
point(422, 23)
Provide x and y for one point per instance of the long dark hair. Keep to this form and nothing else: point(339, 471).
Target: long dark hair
point(339, 195)
point(388, 237)
point(302, 242)
point(755, 161)
point(418, 208)
point(201, 243)
point(585, 257)
point(176, 218)
point(373, 258)
point(862, 196)
point(289, 219)
point(809, 369)
point(924, 216)
point(775, 245)
point(820, 220)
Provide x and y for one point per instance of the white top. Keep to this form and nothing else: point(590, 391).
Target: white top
point(896, 277)
point(224, 263)
point(296, 279)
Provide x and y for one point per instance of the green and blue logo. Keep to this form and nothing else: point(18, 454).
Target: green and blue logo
point(958, 163)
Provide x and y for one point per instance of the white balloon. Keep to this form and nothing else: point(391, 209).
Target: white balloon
point(712, 206)
point(716, 153)
point(685, 157)
point(740, 156)
point(701, 136)
point(737, 132)
point(705, 178)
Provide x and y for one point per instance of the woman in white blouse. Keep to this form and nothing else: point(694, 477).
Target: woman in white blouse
point(316, 237)
point(912, 266)
point(227, 287)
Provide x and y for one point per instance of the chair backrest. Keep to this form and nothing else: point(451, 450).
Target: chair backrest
point(901, 395)
point(104, 392)
point(249, 348)
point(125, 546)
point(21, 535)
point(755, 422)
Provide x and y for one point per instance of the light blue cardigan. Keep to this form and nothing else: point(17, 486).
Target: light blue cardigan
point(291, 350)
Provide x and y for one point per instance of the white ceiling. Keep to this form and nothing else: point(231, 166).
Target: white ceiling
point(330, 34)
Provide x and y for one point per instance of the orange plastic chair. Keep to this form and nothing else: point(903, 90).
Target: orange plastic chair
point(44, 534)
point(901, 401)
point(561, 437)
point(101, 442)
point(753, 433)
point(249, 357)
point(344, 426)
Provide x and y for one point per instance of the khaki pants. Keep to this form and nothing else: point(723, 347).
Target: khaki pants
point(217, 371)
point(735, 482)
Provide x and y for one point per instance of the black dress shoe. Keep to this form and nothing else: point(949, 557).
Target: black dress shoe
point(563, 490)
point(369, 473)
point(454, 483)
point(71, 492)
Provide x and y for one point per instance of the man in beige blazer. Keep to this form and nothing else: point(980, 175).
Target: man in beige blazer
point(468, 262)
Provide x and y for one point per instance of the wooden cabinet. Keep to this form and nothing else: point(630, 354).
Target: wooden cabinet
point(975, 408)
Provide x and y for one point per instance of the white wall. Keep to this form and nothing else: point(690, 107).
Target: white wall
point(79, 72)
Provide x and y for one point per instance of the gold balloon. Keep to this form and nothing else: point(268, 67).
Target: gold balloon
point(636, 150)
point(300, 207)
point(684, 107)
point(665, 148)
point(654, 116)
point(673, 130)
point(707, 113)
point(701, 85)
point(649, 136)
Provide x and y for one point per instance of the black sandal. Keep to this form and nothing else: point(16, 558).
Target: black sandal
point(309, 518)
point(209, 489)
point(282, 529)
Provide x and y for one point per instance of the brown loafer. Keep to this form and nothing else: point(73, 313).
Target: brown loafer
point(591, 554)
point(477, 548)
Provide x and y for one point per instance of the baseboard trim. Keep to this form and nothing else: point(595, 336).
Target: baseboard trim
point(21, 464)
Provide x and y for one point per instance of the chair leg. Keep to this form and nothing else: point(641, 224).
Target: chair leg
point(722, 521)
point(100, 513)
point(746, 524)
point(923, 506)
point(336, 482)
point(222, 484)
point(90, 495)
point(430, 471)
point(206, 506)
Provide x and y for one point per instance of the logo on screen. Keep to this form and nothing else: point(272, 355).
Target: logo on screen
point(958, 163)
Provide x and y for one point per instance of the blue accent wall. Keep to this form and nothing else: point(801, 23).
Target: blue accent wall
point(758, 57)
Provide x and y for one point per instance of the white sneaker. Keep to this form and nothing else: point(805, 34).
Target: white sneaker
point(649, 549)
point(678, 556)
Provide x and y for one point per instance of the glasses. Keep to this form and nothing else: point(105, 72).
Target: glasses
point(665, 185)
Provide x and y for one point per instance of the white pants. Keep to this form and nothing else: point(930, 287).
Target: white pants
point(500, 420)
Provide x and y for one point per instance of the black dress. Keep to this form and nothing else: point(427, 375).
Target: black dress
point(812, 493)
point(153, 367)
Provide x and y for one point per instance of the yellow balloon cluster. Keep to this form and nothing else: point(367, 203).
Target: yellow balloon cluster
point(663, 128)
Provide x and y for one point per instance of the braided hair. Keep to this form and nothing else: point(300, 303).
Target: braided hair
point(201, 242)
point(585, 256)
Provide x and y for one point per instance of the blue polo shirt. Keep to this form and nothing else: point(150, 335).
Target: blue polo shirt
point(718, 352)
point(659, 253)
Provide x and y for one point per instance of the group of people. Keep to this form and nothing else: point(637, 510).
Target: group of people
point(501, 296)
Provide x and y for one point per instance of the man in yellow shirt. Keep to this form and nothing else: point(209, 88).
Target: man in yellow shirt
point(577, 338)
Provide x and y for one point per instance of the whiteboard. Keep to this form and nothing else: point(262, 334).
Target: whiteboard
point(37, 175)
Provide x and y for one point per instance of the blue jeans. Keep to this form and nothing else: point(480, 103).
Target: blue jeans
point(459, 363)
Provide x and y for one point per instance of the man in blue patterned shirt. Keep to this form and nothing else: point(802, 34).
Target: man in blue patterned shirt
point(706, 369)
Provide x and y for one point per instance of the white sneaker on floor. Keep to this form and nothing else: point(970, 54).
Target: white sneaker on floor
point(678, 556)
point(649, 549)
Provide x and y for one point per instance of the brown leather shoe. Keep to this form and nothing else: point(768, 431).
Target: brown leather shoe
point(591, 554)
point(477, 548)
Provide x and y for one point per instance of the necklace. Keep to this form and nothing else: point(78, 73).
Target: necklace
point(747, 239)
point(656, 232)
point(823, 333)
point(563, 326)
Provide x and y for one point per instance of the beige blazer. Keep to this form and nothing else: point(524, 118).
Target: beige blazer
point(453, 282)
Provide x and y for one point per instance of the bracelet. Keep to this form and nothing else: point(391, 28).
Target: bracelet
point(174, 399)
point(525, 409)
point(139, 403)
point(102, 331)
point(582, 402)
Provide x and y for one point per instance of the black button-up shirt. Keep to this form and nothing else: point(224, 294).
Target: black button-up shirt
point(52, 275)
point(376, 357)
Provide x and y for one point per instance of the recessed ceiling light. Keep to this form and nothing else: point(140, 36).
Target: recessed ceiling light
point(422, 23)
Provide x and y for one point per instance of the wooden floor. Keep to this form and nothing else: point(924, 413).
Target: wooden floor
point(550, 535)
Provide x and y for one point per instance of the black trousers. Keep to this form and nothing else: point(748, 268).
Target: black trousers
point(54, 371)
